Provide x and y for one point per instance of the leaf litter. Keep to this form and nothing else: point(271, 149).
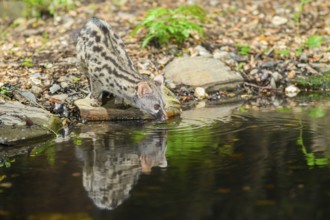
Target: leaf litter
point(273, 44)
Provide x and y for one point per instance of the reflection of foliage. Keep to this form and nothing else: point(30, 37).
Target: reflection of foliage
point(48, 150)
point(311, 158)
point(77, 140)
point(6, 162)
point(317, 112)
point(191, 142)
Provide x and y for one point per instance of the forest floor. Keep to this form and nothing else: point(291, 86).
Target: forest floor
point(271, 43)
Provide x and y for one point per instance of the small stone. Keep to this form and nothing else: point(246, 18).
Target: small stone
point(272, 83)
point(277, 20)
point(64, 85)
point(54, 88)
point(222, 55)
point(269, 64)
point(200, 93)
point(36, 78)
point(254, 71)
point(291, 74)
point(36, 90)
point(202, 51)
point(58, 98)
point(276, 76)
point(291, 91)
point(171, 85)
point(303, 58)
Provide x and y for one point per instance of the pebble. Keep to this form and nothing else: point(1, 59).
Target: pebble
point(254, 71)
point(64, 85)
point(291, 91)
point(202, 51)
point(303, 58)
point(277, 20)
point(269, 64)
point(222, 55)
point(54, 88)
point(276, 76)
point(200, 93)
point(58, 98)
point(36, 90)
point(36, 78)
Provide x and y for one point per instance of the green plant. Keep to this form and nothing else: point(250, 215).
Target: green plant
point(243, 49)
point(312, 42)
point(300, 9)
point(4, 91)
point(164, 25)
point(27, 62)
point(36, 8)
point(283, 52)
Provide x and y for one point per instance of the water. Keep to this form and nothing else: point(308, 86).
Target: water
point(213, 163)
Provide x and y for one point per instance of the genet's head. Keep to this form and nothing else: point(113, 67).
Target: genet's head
point(150, 98)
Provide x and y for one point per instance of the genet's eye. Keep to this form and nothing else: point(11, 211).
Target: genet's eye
point(156, 106)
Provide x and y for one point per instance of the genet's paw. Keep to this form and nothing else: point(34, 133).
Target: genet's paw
point(95, 103)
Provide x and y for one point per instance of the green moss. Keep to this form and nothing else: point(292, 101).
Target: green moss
point(315, 82)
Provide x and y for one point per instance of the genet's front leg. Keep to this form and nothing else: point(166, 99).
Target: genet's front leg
point(96, 92)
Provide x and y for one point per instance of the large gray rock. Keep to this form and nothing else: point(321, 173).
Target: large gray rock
point(209, 73)
point(22, 123)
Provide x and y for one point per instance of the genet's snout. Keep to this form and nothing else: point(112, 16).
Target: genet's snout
point(162, 116)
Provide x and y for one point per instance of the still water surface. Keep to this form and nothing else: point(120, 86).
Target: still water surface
point(220, 162)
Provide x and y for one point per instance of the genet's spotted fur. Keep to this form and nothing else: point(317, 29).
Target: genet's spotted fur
point(104, 60)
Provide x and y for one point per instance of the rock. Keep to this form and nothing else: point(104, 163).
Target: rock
point(54, 88)
point(202, 51)
point(277, 20)
point(291, 91)
point(303, 58)
point(36, 90)
point(208, 73)
point(111, 111)
point(200, 93)
point(64, 85)
point(58, 98)
point(29, 96)
point(221, 55)
point(276, 76)
point(22, 123)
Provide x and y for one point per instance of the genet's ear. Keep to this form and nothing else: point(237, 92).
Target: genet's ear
point(159, 79)
point(143, 88)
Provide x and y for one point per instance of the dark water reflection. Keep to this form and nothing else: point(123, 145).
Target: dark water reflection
point(271, 164)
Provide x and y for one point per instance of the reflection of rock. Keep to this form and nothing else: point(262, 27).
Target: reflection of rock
point(208, 114)
point(114, 164)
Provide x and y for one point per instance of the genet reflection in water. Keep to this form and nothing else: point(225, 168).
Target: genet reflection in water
point(111, 168)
